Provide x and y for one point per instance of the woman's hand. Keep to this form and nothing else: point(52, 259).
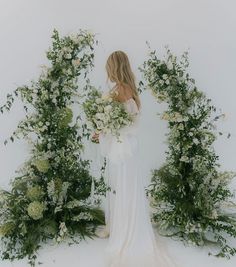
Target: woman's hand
point(95, 137)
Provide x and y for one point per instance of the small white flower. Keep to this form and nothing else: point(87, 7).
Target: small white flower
point(184, 159)
point(76, 38)
point(76, 62)
point(100, 116)
point(69, 72)
point(108, 108)
point(165, 116)
point(196, 141)
point(181, 126)
point(167, 82)
point(98, 101)
point(34, 95)
point(170, 65)
point(214, 214)
point(161, 82)
point(165, 76)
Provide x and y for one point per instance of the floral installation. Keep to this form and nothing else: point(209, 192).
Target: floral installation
point(104, 114)
point(190, 195)
point(51, 197)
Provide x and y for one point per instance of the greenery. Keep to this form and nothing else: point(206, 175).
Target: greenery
point(104, 114)
point(51, 197)
point(189, 193)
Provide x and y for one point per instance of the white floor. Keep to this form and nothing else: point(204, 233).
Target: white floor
point(90, 254)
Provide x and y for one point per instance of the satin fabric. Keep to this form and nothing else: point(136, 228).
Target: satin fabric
point(132, 242)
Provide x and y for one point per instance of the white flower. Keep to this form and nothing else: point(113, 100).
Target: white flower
point(180, 79)
point(196, 141)
point(165, 116)
point(100, 116)
point(34, 95)
point(165, 76)
point(214, 214)
point(184, 159)
point(181, 126)
point(83, 216)
point(169, 65)
point(167, 82)
point(76, 38)
point(98, 101)
point(108, 108)
point(58, 239)
point(161, 82)
point(69, 72)
point(100, 109)
point(76, 62)
point(176, 116)
point(99, 125)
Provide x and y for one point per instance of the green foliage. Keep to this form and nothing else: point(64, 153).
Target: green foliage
point(189, 193)
point(51, 197)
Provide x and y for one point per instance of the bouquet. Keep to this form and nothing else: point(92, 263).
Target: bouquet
point(105, 114)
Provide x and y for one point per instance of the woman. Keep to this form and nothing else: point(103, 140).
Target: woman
point(131, 238)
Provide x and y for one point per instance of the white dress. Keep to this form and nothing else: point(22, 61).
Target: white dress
point(132, 241)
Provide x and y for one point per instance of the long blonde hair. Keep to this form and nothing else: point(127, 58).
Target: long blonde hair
point(119, 71)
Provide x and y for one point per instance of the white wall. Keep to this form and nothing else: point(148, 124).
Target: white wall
point(207, 27)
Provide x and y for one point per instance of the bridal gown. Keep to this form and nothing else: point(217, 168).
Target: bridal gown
point(132, 242)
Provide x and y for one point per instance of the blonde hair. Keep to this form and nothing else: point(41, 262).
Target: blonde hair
point(119, 71)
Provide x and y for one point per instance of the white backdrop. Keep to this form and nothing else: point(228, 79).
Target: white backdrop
point(207, 27)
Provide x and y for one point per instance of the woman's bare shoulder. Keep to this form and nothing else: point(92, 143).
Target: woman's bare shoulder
point(122, 93)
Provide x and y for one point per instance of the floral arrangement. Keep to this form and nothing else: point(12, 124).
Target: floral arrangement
point(105, 114)
point(189, 194)
point(51, 197)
